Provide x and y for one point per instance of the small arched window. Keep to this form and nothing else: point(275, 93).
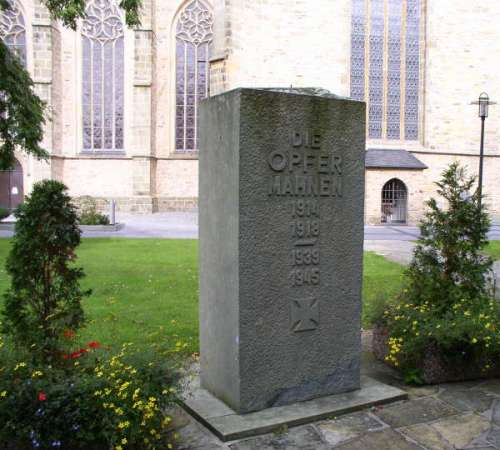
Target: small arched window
point(102, 77)
point(13, 30)
point(193, 38)
point(394, 202)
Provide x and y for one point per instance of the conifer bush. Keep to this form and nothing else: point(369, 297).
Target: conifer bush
point(447, 312)
point(55, 391)
point(45, 296)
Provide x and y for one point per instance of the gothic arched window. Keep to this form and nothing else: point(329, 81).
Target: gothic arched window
point(385, 65)
point(193, 42)
point(13, 30)
point(102, 90)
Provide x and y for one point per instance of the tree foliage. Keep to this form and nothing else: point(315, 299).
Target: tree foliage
point(21, 110)
point(44, 300)
point(447, 261)
point(447, 310)
point(70, 11)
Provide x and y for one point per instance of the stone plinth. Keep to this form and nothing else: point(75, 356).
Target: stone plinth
point(281, 241)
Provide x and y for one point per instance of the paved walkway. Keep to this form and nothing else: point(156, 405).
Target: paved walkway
point(184, 225)
point(451, 416)
point(397, 251)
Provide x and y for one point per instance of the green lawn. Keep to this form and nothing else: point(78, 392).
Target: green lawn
point(493, 249)
point(147, 289)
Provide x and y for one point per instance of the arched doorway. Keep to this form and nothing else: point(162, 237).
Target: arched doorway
point(394, 202)
point(11, 187)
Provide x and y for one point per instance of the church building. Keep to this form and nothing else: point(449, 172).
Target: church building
point(122, 103)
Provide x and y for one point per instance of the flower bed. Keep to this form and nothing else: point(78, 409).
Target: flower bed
point(96, 399)
point(434, 367)
point(445, 324)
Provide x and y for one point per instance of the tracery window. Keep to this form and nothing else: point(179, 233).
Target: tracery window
point(193, 45)
point(13, 30)
point(102, 77)
point(385, 65)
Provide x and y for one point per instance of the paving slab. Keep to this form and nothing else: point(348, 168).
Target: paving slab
point(494, 437)
point(195, 436)
point(421, 391)
point(495, 413)
point(228, 425)
point(491, 386)
point(348, 427)
point(467, 399)
point(415, 411)
point(460, 430)
point(380, 440)
point(489, 447)
point(300, 438)
point(426, 435)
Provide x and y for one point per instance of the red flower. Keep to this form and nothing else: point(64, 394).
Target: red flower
point(65, 356)
point(82, 351)
point(75, 355)
point(69, 334)
point(94, 344)
point(42, 397)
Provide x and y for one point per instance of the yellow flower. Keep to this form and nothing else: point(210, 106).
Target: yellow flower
point(118, 447)
point(3, 394)
point(125, 424)
point(124, 441)
point(474, 341)
point(36, 373)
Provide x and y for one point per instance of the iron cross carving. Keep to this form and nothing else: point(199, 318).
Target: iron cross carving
point(305, 314)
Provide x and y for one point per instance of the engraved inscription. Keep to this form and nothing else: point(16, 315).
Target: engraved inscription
point(305, 314)
point(306, 173)
point(305, 170)
point(305, 230)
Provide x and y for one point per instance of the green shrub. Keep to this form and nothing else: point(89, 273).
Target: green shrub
point(55, 393)
point(89, 214)
point(4, 212)
point(447, 306)
point(44, 298)
point(97, 400)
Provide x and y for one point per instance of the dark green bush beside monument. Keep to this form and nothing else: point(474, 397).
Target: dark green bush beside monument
point(444, 326)
point(45, 295)
point(55, 390)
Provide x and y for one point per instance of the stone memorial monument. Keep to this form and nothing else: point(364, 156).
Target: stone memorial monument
point(281, 248)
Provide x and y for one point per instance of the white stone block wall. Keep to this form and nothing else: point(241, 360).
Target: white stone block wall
point(262, 43)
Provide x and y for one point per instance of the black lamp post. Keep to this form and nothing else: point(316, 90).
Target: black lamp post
point(483, 102)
